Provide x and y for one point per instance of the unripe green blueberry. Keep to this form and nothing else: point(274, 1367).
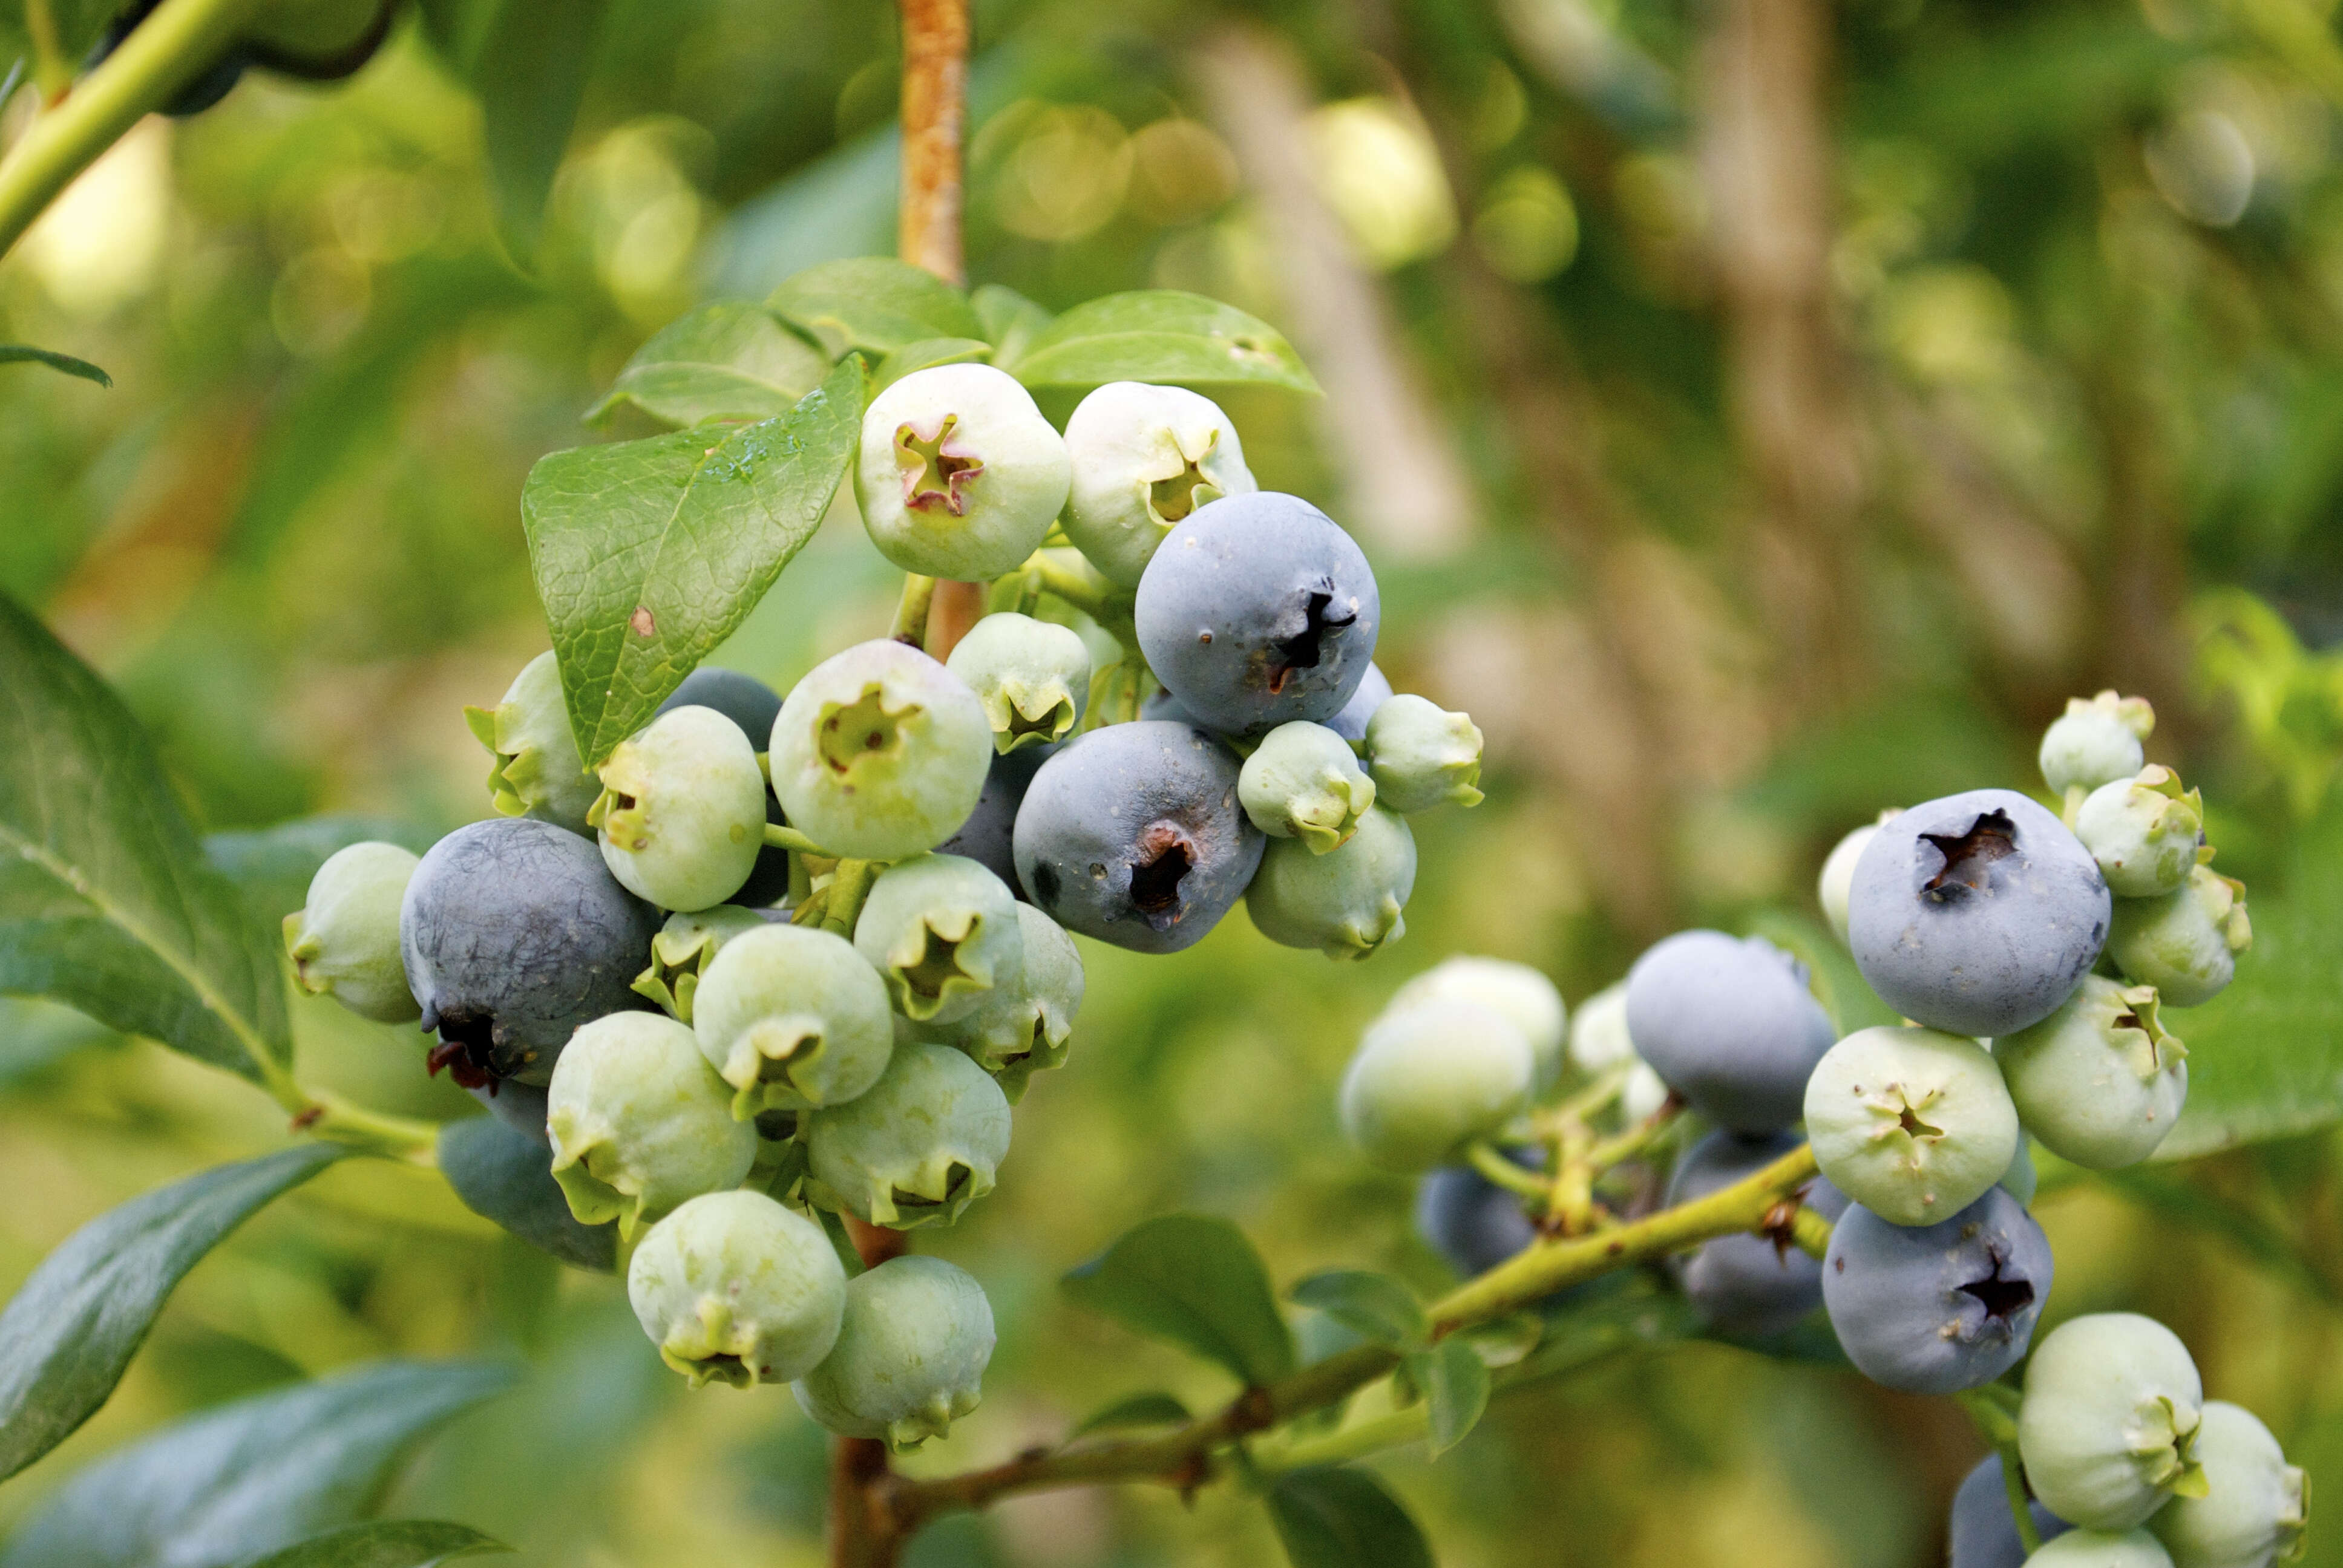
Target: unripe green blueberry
point(942, 930)
point(1837, 878)
point(1304, 781)
point(910, 1355)
point(1421, 757)
point(2145, 832)
point(1643, 1094)
point(1516, 993)
point(1912, 1123)
point(2101, 1549)
point(1033, 677)
point(2185, 944)
point(959, 475)
point(537, 771)
point(918, 1147)
point(681, 816)
point(2096, 741)
point(1427, 1079)
point(791, 1019)
point(640, 1122)
point(1144, 458)
point(880, 752)
point(735, 1286)
point(683, 949)
point(1024, 1028)
point(1346, 903)
point(2098, 1082)
point(2108, 1426)
point(1599, 1040)
point(2257, 1505)
point(344, 943)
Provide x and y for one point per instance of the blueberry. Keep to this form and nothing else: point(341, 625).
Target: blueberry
point(681, 816)
point(753, 705)
point(1351, 723)
point(1162, 705)
point(499, 1172)
point(520, 1106)
point(880, 752)
point(1837, 879)
point(943, 933)
point(1468, 1220)
point(640, 1122)
point(1257, 611)
point(513, 934)
point(1144, 458)
point(536, 771)
point(1024, 1028)
point(1983, 1533)
point(1304, 781)
point(2145, 832)
point(1515, 991)
point(1935, 1309)
point(344, 943)
point(1912, 1124)
point(1346, 902)
point(1429, 1078)
point(792, 1018)
point(2185, 944)
point(1977, 914)
point(2102, 1549)
point(1421, 757)
point(2257, 1506)
point(1133, 834)
point(911, 1351)
point(2096, 741)
point(1599, 1040)
point(2099, 1081)
point(1033, 677)
point(682, 952)
point(2021, 1178)
point(1728, 1022)
point(959, 475)
point(989, 836)
point(734, 1286)
point(918, 1147)
point(2108, 1426)
point(1747, 1287)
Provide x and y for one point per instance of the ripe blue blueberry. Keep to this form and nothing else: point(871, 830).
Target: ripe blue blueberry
point(943, 933)
point(499, 1172)
point(536, 771)
point(1429, 1078)
point(682, 952)
point(918, 1147)
point(640, 1122)
point(2147, 832)
point(1729, 1024)
point(1257, 611)
point(753, 705)
point(2108, 1426)
point(1515, 991)
point(1020, 1029)
point(1133, 834)
point(344, 942)
point(734, 1286)
point(1351, 723)
point(1935, 1309)
point(1033, 677)
point(1468, 1220)
point(959, 475)
point(1911, 1124)
point(2095, 742)
point(911, 1351)
point(2185, 944)
point(1304, 781)
point(2257, 1506)
point(880, 752)
point(1977, 913)
point(1346, 902)
point(2099, 1081)
point(1421, 757)
point(1747, 1287)
point(513, 933)
point(989, 836)
point(791, 1019)
point(1982, 1530)
point(1144, 458)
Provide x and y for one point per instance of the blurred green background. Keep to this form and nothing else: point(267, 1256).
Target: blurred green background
point(1759, 412)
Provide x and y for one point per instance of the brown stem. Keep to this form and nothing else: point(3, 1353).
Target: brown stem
point(865, 1530)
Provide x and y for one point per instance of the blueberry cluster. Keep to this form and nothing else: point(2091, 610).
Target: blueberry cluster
point(773, 960)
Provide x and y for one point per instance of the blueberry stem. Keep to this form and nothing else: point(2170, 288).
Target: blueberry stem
point(790, 839)
point(51, 72)
point(1993, 1410)
point(1491, 1163)
point(849, 886)
point(912, 611)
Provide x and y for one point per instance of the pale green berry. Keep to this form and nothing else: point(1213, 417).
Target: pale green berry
point(2185, 944)
point(683, 949)
point(1644, 1095)
point(1346, 903)
point(1515, 991)
point(1024, 1028)
point(792, 1018)
point(1421, 757)
point(959, 475)
point(910, 1355)
point(344, 943)
point(1599, 1040)
point(942, 931)
point(880, 752)
point(2256, 1507)
point(1429, 1079)
point(2101, 1549)
point(2096, 741)
point(1144, 458)
point(918, 1147)
point(2145, 832)
point(2098, 1082)
point(1837, 880)
point(681, 816)
point(1033, 677)
point(1304, 781)
point(640, 1122)
point(1912, 1123)
point(2108, 1426)
point(537, 771)
point(734, 1286)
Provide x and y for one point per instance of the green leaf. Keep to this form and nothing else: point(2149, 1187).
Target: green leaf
point(503, 1174)
point(272, 865)
point(722, 361)
point(1010, 320)
point(231, 1483)
point(36, 1034)
point(105, 901)
point(926, 354)
point(1159, 334)
point(2265, 1056)
point(649, 553)
point(874, 302)
point(1379, 1308)
point(1454, 1382)
point(1138, 1409)
point(24, 354)
point(384, 1544)
point(69, 1333)
point(1195, 1280)
point(1343, 1518)
point(529, 70)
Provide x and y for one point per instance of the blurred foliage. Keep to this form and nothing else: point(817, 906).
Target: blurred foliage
point(2085, 265)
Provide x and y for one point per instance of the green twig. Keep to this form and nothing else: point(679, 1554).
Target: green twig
point(849, 886)
point(911, 610)
point(782, 838)
point(1993, 1410)
point(1500, 1172)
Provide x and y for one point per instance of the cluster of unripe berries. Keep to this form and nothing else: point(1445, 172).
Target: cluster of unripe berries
point(776, 957)
point(2033, 958)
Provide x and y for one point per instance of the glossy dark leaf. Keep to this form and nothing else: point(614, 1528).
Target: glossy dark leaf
point(728, 360)
point(1195, 1280)
point(384, 1544)
point(503, 1174)
point(874, 302)
point(26, 354)
point(1378, 1307)
point(1159, 334)
point(1138, 1409)
point(1343, 1518)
